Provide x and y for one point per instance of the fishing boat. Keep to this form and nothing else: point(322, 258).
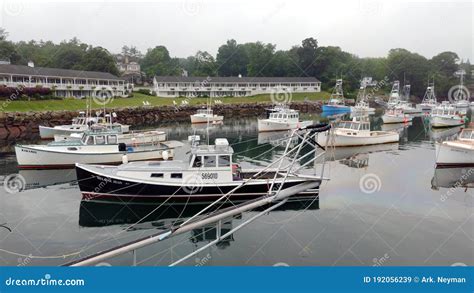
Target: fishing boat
point(362, 105)
point(336, 101)
point(396, 116)
point(130, 139)
point(461, 99)
point(206, 115)
point(404, 104)
point(284, 119)
point(208, 173)
point(429, 99)
point(356, 133)
point(456, 153)
point(80, 124)
point(394, 97)
point(94, 147)
point(446, 115)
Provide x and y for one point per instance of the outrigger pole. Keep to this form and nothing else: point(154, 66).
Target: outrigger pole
point(280, 196)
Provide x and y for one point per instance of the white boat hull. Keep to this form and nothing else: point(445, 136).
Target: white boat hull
point(35, 157)
point(439, 121)
point(204, 119)
point(362, 110)
point(388, 119)
point(265, 125)
point(342, 139)
point(454, 154)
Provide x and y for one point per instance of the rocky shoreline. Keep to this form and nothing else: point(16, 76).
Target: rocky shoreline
point(18, 125)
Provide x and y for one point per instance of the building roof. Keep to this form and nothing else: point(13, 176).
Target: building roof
point(58, 72)
point(193, 79)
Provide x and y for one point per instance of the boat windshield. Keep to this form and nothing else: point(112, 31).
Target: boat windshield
point(204, 111)
point(467, 134)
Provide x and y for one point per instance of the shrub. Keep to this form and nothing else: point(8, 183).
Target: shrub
point(144, 92)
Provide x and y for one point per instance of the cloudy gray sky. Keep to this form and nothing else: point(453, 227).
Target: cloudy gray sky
point(363, 27)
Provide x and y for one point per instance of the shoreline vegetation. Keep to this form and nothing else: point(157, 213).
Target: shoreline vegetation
point(138, 99)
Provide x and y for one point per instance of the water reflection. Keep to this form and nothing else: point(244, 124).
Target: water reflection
point(453, 177)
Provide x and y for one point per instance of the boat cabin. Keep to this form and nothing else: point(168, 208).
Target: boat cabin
point(354, 126)
point(285, 115)
point(467, 134)
point(207, 111)
point(445, 111)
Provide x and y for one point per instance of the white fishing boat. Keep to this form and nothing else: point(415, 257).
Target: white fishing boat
point(394, 97)
point(206, 115)
point(404, 104)
point(130, 139)
point(460, 97)
point(396, 116)
point(429, 99)
point(362, 105)
point(356, 133)
point(284, 119)
point(446, 115)
point(81, 124)
point(456, 153)
point(94, 147)
point(208, 173)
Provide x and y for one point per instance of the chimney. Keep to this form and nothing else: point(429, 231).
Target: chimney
point(31, 64)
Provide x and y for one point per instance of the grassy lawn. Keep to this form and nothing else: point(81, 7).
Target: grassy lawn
point(137, 100)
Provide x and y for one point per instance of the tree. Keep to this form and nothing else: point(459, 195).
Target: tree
point(259, 58)
point(99, 59)
point(307, 54)
point(231, 59)
point(157, 61)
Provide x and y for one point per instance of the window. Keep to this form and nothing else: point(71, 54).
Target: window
point(112, 139)
point(156, 175)
point(209, 161)
point(90, 140)
point(197, 162)
point(176, 175)
point(224, 161)
point(100, 139)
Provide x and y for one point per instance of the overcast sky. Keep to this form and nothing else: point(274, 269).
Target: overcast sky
point(363, 27)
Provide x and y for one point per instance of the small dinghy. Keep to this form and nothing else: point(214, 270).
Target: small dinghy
point(208, 173)
point(206, 115)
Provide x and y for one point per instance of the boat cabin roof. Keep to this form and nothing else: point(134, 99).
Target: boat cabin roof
point(221, 147)
point(354, 125)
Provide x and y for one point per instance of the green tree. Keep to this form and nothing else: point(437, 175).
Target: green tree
point(231, 59)
point(99, 59)
point(157, 61)
point(307, 54)
point(259, 58)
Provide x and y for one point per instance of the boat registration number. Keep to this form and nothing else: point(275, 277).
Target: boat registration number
point(209, 175)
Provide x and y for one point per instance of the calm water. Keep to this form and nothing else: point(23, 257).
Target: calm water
point(384, 205)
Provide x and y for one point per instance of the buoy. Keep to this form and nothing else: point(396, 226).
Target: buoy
point(124, 159)
point(165, 155)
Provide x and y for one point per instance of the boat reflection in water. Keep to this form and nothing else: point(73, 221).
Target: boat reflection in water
point(442, 134)
point(33, 179)
point(357, 157)
point(277, 138)
point(453, 178)
point(144, 216)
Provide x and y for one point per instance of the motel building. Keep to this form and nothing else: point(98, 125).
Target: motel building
point(62, 82)
point(183, 86)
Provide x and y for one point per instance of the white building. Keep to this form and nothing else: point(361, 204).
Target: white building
point(62, 82)
point(183, 86)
